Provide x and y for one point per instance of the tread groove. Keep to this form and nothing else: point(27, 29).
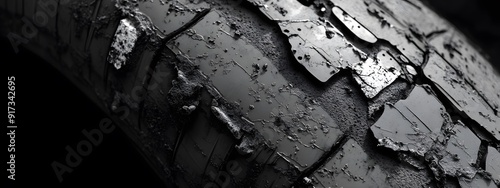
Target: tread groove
point(324, 159)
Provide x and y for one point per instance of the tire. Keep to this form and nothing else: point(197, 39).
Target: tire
point(279, 94)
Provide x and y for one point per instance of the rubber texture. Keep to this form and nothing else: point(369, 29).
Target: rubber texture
point(278, 94)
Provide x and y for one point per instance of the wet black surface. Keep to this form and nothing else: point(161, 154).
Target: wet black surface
point(380, 21)
point(424, 129)
point(478, 181)
point(311, 47)
point(412, 124)
point(315, 42)
point(300, 131)
point(462, 151)
point(350, 167)
point(171, 16)
point(493, 163)
point(461, 94)
point(359, 30)
point(468, 64)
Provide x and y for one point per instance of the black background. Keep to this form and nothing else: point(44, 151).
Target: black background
point(50, 114)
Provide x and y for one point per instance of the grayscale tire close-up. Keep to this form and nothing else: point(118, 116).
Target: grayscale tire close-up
point(286, 93)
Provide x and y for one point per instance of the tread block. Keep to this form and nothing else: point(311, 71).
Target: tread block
point(461, 94)
point(205, 147)
point(351, 167)
point(236, 78)
point(99, 43)
point(168, 19)
point(276, 110)
point(277, 174)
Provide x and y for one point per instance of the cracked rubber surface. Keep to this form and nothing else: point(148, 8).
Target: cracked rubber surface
point(252, 93)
